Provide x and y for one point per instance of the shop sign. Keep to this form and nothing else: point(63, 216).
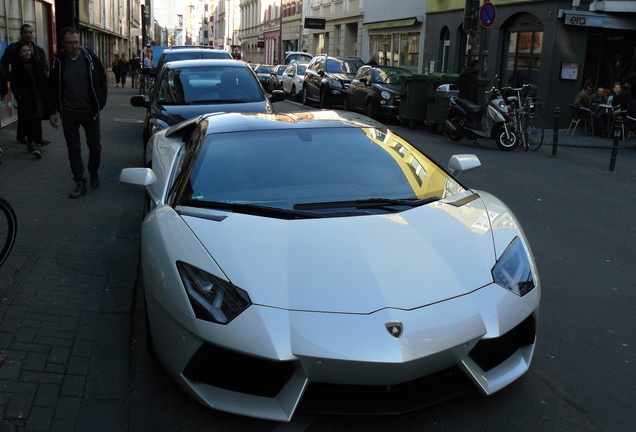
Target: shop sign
point(583, 20)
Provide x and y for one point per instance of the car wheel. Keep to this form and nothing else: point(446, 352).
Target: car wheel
point(150, 344)
point(370, 112)
point(345, 104)
point(324, 104)
point(305, 99)
point(293, 94)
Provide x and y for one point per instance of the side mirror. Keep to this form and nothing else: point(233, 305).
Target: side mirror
point(139, 101)
point(277, 96)
point(140, 177)
point(462, 163)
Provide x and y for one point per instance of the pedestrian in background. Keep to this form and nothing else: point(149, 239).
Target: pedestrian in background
point(78, 90)
point(10, 53)
point(583, 104)
point(115, 68)
point(28, 82)
point(467, 82)
point(135, 68)
point(124, 67)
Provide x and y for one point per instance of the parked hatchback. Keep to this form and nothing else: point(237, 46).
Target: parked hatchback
point(327, 79)
point(375, 91)
point(190, 88)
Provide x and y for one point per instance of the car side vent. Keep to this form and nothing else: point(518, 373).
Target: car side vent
point(489, 353)
point(232, 371)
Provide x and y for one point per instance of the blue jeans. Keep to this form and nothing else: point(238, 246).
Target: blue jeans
point(71, 123)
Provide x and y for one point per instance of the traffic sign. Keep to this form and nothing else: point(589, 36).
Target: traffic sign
point(487, 14)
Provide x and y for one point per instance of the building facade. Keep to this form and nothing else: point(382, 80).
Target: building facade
point(558, 45)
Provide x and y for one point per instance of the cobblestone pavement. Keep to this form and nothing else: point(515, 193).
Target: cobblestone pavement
point(67, 289)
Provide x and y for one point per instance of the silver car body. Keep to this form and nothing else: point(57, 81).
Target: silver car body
point(375, 300)
point(293, 79)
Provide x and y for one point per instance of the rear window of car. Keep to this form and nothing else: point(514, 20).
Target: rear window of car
point(283, 168)
point(208, 84)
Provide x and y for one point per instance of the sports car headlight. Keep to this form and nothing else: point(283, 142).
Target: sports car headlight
point(385, 95)
point(213, 299)
point(513, 270)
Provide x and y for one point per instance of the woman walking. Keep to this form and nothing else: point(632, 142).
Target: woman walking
point(28, 82)
point(124, 67)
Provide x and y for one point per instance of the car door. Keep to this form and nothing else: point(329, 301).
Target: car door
point(358, 92)
point(288, 78)
point(313, 78)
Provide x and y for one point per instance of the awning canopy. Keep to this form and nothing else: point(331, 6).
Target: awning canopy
point(389, 24)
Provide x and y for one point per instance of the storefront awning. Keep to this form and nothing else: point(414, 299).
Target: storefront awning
point(389, 24)
point(579, 18)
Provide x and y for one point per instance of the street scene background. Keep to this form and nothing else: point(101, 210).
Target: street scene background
point(73, 353)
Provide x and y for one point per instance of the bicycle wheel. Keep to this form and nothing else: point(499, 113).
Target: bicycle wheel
point(535, 131)
point(8, 229)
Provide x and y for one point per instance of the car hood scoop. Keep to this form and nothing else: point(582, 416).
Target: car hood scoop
point(356, 264)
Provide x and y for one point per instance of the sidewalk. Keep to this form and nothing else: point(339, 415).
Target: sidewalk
point(67, 289)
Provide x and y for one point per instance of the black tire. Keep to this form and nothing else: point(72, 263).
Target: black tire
point(506, 142)
point(345, 104)
point(292, 93)
point(454, 134)
point(8, 229)
point(324, 104)
point(150, 343)
point(305, 98)
point(535, 130)
point(369, 110)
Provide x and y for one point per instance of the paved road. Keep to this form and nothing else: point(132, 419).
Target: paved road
point(72, 339)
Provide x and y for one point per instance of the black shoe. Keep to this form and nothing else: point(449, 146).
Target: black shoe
point(34, 150)
point(94, 181)
point(80, 189)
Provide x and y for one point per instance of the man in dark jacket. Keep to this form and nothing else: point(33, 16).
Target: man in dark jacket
point(78, 91)
point(10, 55)
point(467, 82)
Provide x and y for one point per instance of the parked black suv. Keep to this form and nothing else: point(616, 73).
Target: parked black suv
point(327, 79)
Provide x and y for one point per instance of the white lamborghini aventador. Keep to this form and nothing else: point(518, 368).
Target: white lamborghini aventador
point(318, 261)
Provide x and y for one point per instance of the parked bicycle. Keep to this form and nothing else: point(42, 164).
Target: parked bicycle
point(146, 80)
point(526, 122)
point(8, 229)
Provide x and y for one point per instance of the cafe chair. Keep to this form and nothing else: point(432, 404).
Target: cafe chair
point(576, 119)
point(624, 131)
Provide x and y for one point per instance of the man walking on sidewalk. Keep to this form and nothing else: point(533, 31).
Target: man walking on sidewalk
point(78, 91)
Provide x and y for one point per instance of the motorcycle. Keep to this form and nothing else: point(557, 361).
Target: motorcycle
point(490, 120)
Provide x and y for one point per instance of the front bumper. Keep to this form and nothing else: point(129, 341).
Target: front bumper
point(266, 361)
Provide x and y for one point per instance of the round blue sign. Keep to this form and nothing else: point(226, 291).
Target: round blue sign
point(487, 14)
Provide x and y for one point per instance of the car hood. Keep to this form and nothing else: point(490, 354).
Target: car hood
point(173, 114)
point(393, 88)
point(354, 264)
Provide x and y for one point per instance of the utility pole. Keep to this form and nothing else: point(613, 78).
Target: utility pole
point(280, 39)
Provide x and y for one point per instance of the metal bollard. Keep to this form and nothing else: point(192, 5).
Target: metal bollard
point(618, 129)
point(555, 134)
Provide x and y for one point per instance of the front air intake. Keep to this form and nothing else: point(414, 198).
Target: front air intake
point(237, 372)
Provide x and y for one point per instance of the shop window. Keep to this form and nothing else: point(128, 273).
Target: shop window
point(522, 57)
point(397, 49)
point(444, 49)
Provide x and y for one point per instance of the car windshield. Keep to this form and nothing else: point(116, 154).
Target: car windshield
point(389, 75)
point(208, 84)
point(314, 169)
point(346, 66)
point(300, 70)
point(264, 70)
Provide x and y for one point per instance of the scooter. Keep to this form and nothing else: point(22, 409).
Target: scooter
point(490, 120)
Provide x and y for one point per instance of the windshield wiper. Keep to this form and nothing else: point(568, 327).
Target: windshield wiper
point(253, 209)
point(366, 203)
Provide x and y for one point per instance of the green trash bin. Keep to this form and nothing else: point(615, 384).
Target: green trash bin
point(414, 92)
point(437, 111)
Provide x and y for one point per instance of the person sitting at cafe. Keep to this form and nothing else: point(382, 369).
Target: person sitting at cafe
point(583, 104)
point(599, 97)
point(623, 96)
